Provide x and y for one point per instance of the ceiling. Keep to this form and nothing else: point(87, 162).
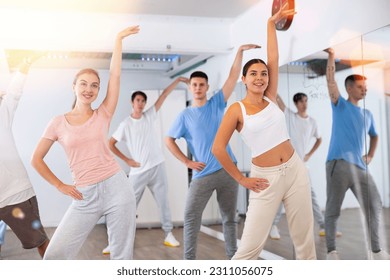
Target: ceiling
point(371, 49)
point(177, 63)
point(188, 8)
point(172, 66)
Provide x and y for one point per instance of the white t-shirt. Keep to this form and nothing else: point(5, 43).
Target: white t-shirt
point(141, 140)
point(302, 131)
point(15, 185)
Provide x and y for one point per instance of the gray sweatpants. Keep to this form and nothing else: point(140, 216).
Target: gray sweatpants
point(341, 176)
point(198, 195)
point(113, 198)
point(156, 180)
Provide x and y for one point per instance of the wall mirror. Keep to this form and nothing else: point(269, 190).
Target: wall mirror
point(367, 55)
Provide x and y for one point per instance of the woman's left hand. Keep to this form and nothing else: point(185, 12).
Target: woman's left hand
point(128, 31)
point(283, 12)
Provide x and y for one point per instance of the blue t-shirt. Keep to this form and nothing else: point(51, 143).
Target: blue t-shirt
point(198, 126)
point(350, 126)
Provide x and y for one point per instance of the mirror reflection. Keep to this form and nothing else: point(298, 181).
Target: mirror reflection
point(345, 147)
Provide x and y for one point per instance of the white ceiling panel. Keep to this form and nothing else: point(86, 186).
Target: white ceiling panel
point(190, 8)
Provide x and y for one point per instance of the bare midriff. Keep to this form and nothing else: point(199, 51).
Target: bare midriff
point(276, 156)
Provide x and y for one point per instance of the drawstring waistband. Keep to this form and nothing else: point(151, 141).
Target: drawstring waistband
point(281, 168)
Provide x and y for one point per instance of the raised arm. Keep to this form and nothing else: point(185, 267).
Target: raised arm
point(280, 103)
point(333, 89)
point(235, 70)
point(111, 99)
point(168, 90)
point(273, 51)
point(39, 164)
point(24, 67)
point(16, 85)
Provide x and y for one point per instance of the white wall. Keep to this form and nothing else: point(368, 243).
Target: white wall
point(62, 31)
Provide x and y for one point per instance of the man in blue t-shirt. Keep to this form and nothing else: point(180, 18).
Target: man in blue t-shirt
point(346, 165)
point(198, 125)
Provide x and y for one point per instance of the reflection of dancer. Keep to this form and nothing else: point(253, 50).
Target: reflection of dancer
point(101, 187)
point(302, 128)
point(18, 203)
point(147, 160)
point(198, 125)
point(277, 173)
point(346, 168)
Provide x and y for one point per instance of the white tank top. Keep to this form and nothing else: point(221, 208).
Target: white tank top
point(265, 129)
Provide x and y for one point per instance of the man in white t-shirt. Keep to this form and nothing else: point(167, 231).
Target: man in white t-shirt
point(147, 167)
point(18, 202)
point(302, 130)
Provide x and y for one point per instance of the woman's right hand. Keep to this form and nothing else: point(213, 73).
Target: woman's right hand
point(70, 190)
point(329, 50)
point(133, 163)
point(254, 184)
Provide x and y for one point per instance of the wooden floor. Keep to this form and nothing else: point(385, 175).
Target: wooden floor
point(149, 242)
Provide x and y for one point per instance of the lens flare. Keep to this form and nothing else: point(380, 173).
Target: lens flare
point(36, 224)
point(18, 213)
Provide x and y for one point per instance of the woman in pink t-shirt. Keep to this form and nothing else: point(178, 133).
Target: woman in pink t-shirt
point(100, 187)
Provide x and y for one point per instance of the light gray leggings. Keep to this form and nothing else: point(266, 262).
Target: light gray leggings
point(113, 198)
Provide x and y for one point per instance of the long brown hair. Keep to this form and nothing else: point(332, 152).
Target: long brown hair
point(250, 63)
point(81, 72)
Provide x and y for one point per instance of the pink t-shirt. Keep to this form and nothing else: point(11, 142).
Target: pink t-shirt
point(86, 147)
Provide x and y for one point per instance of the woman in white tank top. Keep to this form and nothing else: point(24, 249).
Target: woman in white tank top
point(277, 173)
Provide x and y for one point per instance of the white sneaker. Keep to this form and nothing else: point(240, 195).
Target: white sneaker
point(274, 233)
point(106, 251)
point(333, 255)
point(171, 241)
point(381, 255)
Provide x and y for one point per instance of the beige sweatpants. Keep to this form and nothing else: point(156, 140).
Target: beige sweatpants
point(289, 183)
